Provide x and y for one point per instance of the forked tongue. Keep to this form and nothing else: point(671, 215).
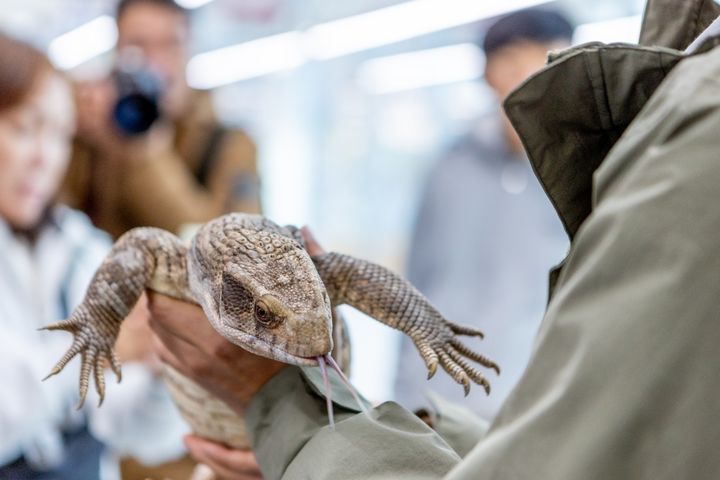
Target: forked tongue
point(331, 361)
point(328, 391)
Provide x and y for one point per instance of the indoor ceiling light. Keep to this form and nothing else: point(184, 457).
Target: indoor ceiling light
point(246, 60)
point(83, 43)
point(190, 4)
point(401, 22)
point(341, 37)
point(436, 66)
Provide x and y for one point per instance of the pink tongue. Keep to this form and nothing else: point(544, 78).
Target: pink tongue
point(328, 390)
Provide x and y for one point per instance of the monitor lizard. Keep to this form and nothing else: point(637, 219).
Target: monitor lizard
point(261, 290)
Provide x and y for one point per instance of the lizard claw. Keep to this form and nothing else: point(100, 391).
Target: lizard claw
point(67, 325)
point(429, 356)
point(95, 350)
point(93, 362)
point(432, 369)
point(445, 349)
point(77, 347)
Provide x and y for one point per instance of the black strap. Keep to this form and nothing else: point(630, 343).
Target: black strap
point(210, 154)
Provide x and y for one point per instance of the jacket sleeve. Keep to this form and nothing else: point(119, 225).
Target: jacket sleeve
point(289, 431)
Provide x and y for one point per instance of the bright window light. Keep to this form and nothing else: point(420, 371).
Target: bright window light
point(401, 22)
point(246, 60)
point(436, 66)
point(83, 43)
point(625, 29)
point(191, 4)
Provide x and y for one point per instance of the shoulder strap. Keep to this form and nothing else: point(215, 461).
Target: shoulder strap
point(209, 157)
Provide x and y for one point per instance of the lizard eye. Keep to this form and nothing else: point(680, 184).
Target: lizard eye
point(264, 316)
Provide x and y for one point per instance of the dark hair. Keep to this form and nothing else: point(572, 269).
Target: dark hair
point(20, 69)
point(123, 6)
point(533, 25)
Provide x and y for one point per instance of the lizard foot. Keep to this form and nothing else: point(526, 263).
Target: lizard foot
point(440, 346)
point(95, 346)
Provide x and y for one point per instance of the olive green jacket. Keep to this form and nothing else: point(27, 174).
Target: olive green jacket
point(624, 378)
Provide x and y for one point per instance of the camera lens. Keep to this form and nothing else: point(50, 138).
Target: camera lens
point(135, 113)
point(139, 89)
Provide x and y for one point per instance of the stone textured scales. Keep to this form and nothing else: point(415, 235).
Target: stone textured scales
point(260, 290)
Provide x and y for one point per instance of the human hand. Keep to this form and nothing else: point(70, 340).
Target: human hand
point(226, 463)
point(188, 343)
point(134, 343)
point(311, 244)
point(95, 103)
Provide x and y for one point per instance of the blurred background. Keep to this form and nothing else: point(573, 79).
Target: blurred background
point(349, 102)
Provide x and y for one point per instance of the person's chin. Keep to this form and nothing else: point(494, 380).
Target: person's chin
point(29, 215)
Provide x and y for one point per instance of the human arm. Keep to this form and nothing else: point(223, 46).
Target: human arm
point(622, 380)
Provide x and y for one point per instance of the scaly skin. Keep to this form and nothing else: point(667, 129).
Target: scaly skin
point(387, 297)
point(260, 290)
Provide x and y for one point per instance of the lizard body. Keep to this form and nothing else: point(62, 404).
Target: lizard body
point(260, 290)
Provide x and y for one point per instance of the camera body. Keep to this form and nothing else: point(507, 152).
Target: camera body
point(138, 99)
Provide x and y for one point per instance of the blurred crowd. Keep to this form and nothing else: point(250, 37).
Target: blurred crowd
point(81, 164)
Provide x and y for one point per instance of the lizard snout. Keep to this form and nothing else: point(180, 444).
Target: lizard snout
point(309, 335)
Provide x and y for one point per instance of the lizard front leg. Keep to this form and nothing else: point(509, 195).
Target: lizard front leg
point(142, 258)
point(387, 297)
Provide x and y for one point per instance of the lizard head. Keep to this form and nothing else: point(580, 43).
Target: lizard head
point(266, 296)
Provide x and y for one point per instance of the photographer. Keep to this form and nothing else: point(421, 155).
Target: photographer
point(130, 168)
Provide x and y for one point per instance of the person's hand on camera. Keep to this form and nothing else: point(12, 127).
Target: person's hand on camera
point(95, 125)
point(311, 244)
point(188, 343)
point(226, 463)
point(95, 101)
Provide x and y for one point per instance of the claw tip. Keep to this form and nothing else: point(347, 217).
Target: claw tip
point(54, 371)
point(431, 370)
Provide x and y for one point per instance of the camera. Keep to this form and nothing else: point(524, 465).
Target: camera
point(138, 97)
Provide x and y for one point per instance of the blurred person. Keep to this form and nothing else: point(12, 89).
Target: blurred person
point(48, 256)
point(486, 234)
point(185, 167)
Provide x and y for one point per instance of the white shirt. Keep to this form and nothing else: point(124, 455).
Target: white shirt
point(41, 283)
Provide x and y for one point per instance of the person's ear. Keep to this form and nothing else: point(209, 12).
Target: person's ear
point(491, 75)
